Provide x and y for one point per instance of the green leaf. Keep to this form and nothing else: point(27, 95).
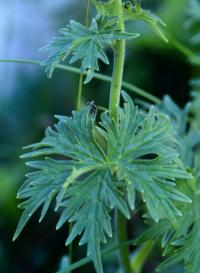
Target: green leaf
point(84, 44)
point(40, 188)
point(181, 241)
point(144, 158)
point(82, 183)
point(88, 180)
point(188, 135)
point(181, 244)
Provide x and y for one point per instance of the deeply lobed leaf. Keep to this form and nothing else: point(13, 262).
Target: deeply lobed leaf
point(181, 241)
point(89, 180)
point(84, 44)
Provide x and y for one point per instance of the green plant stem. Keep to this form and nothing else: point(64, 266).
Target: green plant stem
point(121, 235)
point(180, 47)
point(116, 84)
point(98, 76)
point(80, 86)
point(140, 257)
point(79, 93)
point(118, 68)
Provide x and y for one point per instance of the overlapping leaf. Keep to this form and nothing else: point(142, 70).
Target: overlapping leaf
point(143, 155)
point(180, 243)
point(187, 134)
point(81, 183)
point(89, 180)
point(84, 44)
point(192, 25)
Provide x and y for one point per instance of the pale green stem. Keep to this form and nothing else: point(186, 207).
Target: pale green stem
point(79, 93)
point(119, 56)
point(140, 257)
point(180, 47)
point(121, 236)
point(116, 84)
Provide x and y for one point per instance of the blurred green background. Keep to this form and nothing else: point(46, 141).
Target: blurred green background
point(29, 101)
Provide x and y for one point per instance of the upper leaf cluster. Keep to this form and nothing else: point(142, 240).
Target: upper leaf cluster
point(86, 44)
point(132, 12)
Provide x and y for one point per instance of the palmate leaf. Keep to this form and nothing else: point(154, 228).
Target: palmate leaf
point(89, 180)
point(88, 202)
point(181, 244)
point(84, 44)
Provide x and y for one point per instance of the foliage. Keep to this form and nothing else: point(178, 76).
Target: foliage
point(180, 242)
point(89, 183)
point(132, 12)
point(88, 165)
point(85, 44)
point(192, 25)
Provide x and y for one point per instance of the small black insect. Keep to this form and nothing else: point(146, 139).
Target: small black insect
point(127, 4)
point(92, 106)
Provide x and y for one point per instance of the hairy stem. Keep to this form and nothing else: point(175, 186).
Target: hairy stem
point(119, 55)
point(116, 84)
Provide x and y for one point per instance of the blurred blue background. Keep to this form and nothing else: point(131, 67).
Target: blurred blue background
point(28, 102)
